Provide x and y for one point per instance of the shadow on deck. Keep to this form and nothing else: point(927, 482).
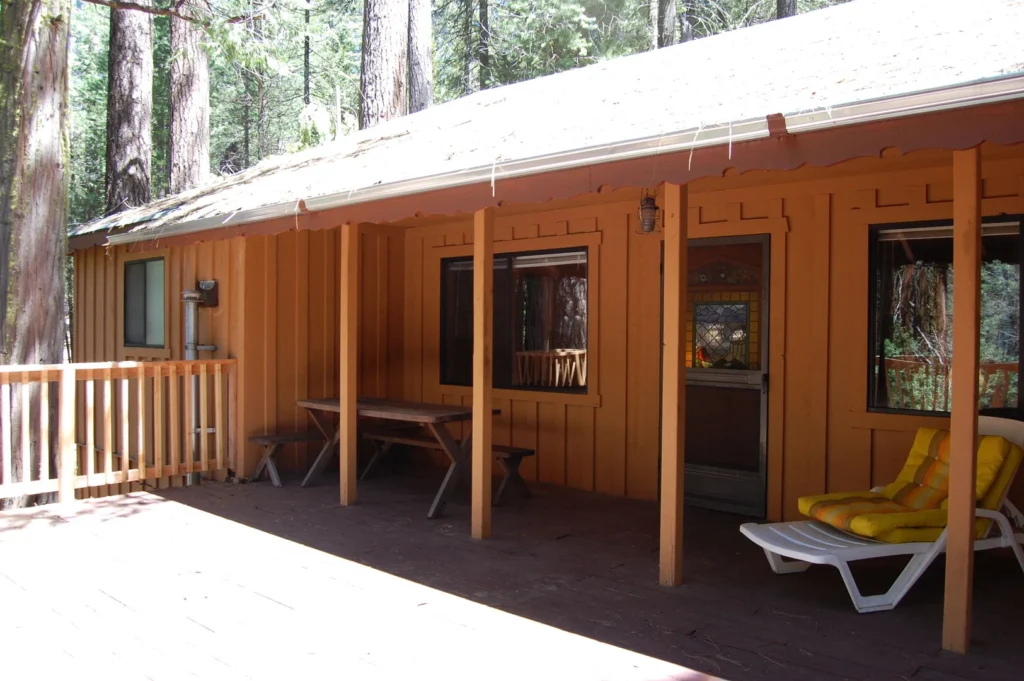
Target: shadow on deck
point(239, 594)
point(587, 564)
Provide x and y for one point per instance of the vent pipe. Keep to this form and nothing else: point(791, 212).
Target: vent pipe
point(192, 300)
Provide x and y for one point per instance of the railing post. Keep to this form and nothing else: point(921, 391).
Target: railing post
point(67, 456)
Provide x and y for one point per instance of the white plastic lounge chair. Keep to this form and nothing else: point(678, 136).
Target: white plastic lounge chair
point(794, 546)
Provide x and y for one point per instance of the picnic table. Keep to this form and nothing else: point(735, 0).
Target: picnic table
point(431, 417)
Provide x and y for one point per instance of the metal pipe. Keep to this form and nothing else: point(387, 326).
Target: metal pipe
point(191, 300)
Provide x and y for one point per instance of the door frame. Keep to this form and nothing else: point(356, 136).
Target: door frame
point(777, 230)
point(711, 486)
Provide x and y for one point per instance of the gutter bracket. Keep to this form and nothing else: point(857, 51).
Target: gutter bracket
point(777, 126)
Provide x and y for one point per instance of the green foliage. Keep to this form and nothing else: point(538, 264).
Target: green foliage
point(256, 66)
point(90, 32)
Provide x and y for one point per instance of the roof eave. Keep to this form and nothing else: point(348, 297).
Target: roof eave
point(978, 93)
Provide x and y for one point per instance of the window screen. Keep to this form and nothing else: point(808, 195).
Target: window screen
point(540, 321)
point(144, 303)
point(912, 318)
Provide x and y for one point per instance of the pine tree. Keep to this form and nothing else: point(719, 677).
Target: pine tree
point(129, 109)
point(421, 63)
point(785, 8)
point(189, 152)
point(382, 84)
point(33, 190)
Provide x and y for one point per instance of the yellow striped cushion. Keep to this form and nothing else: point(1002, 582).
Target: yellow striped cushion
point(913, 508)
point(923, 483)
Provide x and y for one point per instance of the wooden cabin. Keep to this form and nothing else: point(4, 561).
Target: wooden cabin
point(780, 326)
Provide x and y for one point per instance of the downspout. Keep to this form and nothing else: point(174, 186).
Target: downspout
point(192, 298)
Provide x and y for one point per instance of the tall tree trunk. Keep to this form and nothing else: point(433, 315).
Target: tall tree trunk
point(483, 50)
point(129, 109)
point(385, 61)
point(190, 102)
point(468, 86)
point(260, 82)
point(785, 8)
point(34, 178)
point(652, 8)
point(685, 27)
point(666, 23)
point(305, 61)
point(421, 64)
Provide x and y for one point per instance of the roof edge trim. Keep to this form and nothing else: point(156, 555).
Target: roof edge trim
point(988, 91)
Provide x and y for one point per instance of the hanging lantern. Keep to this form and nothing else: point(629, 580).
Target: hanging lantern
point(649, 213)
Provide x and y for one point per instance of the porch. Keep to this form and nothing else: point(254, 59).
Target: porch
point(249, 581)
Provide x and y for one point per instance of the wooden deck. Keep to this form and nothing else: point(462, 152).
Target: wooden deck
point(249, 581)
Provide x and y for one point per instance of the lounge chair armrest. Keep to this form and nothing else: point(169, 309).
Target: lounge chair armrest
point(877, 490)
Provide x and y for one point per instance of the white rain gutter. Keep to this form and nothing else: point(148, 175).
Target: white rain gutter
point(988, 91)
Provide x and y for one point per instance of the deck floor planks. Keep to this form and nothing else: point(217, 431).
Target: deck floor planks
point(191, 576)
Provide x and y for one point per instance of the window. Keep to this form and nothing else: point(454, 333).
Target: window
point(720, 333)
point(144, 303)
point(540, 321)
point(912, 317)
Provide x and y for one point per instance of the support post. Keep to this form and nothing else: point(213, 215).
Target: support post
point(67, 450)
point(673, 395)
point(956, 617)
point(483, 332)
point(349, 364)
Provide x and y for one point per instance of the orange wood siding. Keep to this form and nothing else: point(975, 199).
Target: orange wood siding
point(280, 295)
point(278, 314)
point(292, 333)
point(608, 441)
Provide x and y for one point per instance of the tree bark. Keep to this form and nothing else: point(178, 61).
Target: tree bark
point(34, 178)
point(421, 64)
point(129, 109)
point(305, 60)
point(652, 8)
point(468, 86)
point(190, 103)
point(385, 64)
point(483, 49)
point(666, 23)
point(785, 8)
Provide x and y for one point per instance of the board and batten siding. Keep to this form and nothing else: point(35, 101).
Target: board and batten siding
point(277, 315)
point(821, 437)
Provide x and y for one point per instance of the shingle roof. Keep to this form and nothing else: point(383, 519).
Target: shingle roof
point(860, 51)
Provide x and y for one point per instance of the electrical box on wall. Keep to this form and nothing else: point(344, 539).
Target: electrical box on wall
point(207, 293)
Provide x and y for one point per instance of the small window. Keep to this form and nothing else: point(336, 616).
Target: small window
point(912, 318)
point(540, 321)
point(144, 303)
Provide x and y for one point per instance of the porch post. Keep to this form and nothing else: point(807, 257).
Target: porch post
point(956, 620)
point(483, 332)
point(673, 395)
point(349, 364)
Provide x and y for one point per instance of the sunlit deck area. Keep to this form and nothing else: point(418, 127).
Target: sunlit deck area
point(225, 581)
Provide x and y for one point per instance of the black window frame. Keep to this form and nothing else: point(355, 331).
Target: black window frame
point(511, 256)
point(872, 376)
point(124, 302)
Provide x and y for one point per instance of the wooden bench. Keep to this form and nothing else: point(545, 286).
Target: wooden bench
point(509, 458)
point(272, 443)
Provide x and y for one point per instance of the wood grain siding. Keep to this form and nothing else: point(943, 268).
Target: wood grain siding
point(292, 333)
point(279, 310)
point(278, 315)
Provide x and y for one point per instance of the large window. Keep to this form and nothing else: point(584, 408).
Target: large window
point(540, 320)
point(144, 303)
point(912, 317)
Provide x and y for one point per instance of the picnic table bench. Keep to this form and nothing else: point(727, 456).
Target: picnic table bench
point(428, 419)
point(509, 458)
point(272, 443)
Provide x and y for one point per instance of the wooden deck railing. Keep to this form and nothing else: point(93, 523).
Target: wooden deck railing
point(924, 383)
point(65, 427)
point(564, 368)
